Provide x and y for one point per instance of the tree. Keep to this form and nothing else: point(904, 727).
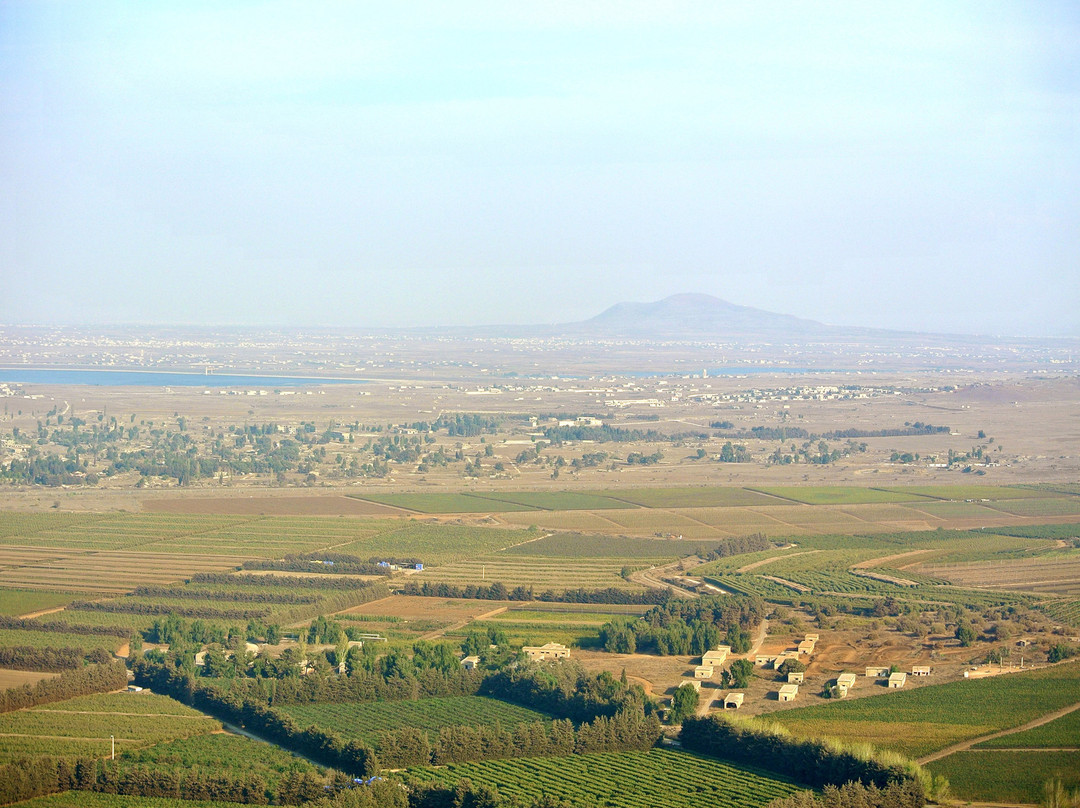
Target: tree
point(740, 672)
point(684, 703)
point(965, 634)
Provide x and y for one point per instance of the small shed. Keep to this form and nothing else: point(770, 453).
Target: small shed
point(788, 692)
point(897, 680)
point(844, 683)
point(806, 647)
point(795, 677)
point(703, 672)
point(470, 663)
point(733, 701)
point(877, 672)
point(725, 648)
point(920, 670)
point(764, 659)
point(811, 637)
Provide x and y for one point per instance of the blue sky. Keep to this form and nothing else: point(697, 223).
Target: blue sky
point(908, 165)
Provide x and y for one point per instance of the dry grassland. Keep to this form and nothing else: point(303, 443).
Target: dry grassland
point(9, 678)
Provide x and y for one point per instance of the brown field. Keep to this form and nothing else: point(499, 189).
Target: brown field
point(263, 505)
point(1048, 576)
point(10, 678)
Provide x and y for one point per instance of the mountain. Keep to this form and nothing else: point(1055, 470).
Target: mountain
point(695, 315)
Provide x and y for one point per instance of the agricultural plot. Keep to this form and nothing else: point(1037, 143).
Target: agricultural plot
point(619, 780)
point(16, 524)
point(1069, 506)
point(970, 492)
point(364, 722)
point(442, 503)
point(219, 751)
point(407, 608)
point(540, 573)
point(956, 510)
point(90, 799)
point(579, 545)
point(273, 537)
point(1061, 733)
point(557, 500)
point(1050, 575)
point(650, 521)
point(10, 678)
point(740, 521)
point(57, 639)
point(535, 632)
point(1007, 776)
point(692, 497)
point(112, 571)
point(120, 532)
point(435, 543)
point(841, 495)
point(1064, 611)
point(69, 729)
point(22, 601)
point(341, 505)
point(885, 514)
point(562, 520)
point(916, 722)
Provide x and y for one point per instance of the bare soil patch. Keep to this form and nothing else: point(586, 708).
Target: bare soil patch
point(10, 678)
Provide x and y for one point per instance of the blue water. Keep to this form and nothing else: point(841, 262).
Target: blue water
point(136, 378)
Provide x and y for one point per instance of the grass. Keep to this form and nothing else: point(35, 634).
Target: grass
point(620, 780)
point(365, 721)
point(1009, 776)
point(916, 722)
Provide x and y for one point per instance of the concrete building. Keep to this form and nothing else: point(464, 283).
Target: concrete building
point(844, 683)
point(703, 672)
point(551, 650)
point(733, 701)
point(897, 680)
point(788, 692)
point(877, 672)
point(714, 659)
point(795, 678)
point(920, 670)
point(806, 647)
point(470, 663)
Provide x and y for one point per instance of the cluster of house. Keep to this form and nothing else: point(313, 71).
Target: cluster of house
point(710, 661)
point(805, 648)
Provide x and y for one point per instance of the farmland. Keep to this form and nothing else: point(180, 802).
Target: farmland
point(1061, 732)
point(620, 780)
point(364, 722)
point(81, 727)
point(1007, 776)
point(916, 722)
point(88, 799)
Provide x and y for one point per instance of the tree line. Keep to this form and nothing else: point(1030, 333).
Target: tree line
point(687, 626)
point(68, 685)
point(21, 624)
point(49, 659)
point(499, 591)
point(814, 762)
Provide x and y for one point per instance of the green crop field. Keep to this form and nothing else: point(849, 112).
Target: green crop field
point(692, 497)
point(22, 601)
point(1007, 776)
point(536, 633)
point(972, 492)
point(579, 545)
point(90, 799)
point(620, 780)
point(916, 722)
point(221, 751)
point(563, 520)
point(1062, 732)
point(55, 639)
point(1069, 506)
point(541, 573)
point(1065, 611)
point(841, 495)
point(557, 500)
point(435, 543)
point(82, 726)
point(365, 721)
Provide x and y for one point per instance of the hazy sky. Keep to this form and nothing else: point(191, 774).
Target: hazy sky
point(906, 164)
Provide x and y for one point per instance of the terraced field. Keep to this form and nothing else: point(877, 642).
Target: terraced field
point(1050, 575)
point(364, 722)
point(112, 571)
point(620, 780)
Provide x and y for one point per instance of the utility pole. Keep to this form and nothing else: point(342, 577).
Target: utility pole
point(112, 740)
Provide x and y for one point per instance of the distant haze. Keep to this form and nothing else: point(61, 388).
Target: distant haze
point(909, 166)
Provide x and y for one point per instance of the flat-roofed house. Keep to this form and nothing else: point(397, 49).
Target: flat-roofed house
point(795, 677)
point(897, 680)
point(806, 647)
point(764, 659)
point(550, 650)
point(844, 683)
point(703, 672)
point(788, 692)
point(877, 672)
point(733, 701)
point(470, 662)
point(714, 659)
point(811, 637)
point(920, 670)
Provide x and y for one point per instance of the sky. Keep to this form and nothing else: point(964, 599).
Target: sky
point(909, 165)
